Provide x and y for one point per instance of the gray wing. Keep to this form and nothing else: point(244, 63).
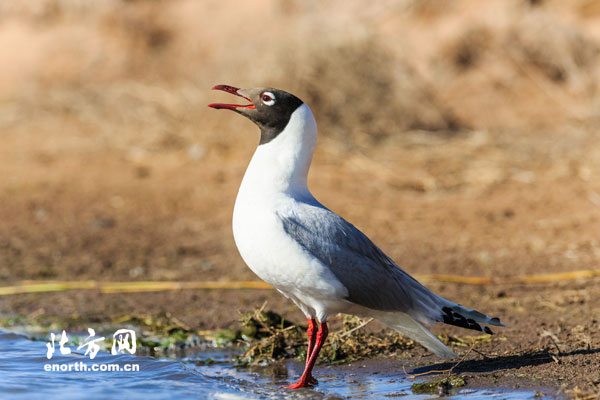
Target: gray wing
point(372, 279)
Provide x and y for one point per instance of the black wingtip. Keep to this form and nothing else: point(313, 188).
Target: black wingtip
point(451, 317)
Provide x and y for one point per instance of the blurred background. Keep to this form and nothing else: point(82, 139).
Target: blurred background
point(461, 136)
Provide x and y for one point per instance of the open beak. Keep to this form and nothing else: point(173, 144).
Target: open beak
point(232, 90)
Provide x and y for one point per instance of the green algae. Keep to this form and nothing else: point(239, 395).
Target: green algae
point(442, 386)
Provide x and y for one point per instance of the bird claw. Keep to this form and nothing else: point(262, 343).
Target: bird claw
point(297, 385)
point(302, 383)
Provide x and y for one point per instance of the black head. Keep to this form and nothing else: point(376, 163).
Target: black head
point(269, 108)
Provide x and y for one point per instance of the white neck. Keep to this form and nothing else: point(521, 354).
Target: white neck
point(281, 165)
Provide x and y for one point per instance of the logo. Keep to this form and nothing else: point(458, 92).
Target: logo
point(123, 340)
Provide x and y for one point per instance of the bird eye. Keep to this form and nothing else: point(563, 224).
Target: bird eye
point(268, 98)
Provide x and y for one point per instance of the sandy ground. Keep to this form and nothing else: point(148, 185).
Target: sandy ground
point(126, 176)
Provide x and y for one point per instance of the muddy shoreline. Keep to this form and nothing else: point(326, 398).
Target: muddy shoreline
point(542, 348)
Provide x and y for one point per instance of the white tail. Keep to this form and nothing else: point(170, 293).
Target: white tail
point(406, 325)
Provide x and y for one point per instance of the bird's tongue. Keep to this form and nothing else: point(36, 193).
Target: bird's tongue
point(232, 90)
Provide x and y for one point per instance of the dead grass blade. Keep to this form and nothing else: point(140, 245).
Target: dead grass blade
point(542, 278)
point(124, 287)
point(148, 286)
point(41, 287)
point(159, 286)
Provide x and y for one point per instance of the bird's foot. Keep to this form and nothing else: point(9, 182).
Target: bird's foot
point(302, 383)
point(297, 385)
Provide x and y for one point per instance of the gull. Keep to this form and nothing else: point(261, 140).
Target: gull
point(311, 255)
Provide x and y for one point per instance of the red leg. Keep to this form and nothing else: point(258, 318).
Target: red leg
point(312, 334)
point(304, 379)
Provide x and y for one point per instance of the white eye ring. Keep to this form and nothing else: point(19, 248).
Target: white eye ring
point(268, 98)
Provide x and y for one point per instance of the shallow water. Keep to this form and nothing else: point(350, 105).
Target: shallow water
point(22, 376)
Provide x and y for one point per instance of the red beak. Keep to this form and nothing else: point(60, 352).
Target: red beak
point(232, 90)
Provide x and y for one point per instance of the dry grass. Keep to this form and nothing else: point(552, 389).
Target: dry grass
point(269, 337)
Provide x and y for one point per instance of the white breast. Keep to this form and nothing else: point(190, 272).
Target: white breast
point(275, 181)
